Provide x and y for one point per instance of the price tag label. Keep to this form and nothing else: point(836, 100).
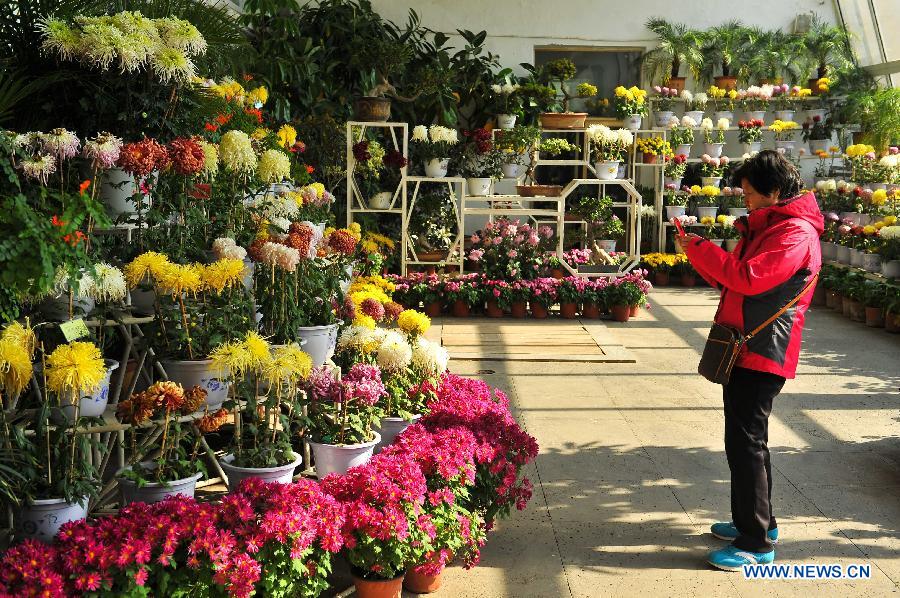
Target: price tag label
point(73, 329)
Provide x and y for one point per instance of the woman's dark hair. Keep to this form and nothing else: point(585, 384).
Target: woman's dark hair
point(769, 171)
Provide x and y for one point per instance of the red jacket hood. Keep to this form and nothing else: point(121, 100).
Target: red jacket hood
point(802, 206)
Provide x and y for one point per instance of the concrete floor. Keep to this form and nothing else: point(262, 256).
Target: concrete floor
point(632, 469)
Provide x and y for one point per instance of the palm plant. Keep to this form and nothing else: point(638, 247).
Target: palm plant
point(827, 46)
point(726, 46)
point(880, 118)
point(772, 55)
point(678, 46)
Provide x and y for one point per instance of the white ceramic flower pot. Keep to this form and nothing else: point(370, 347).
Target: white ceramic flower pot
point(713, 149)
point(814, 112)
point(506, 121)
point(663, 117)
point(437, 168)
point(510, 171)
point(711, 181)
point(752, 147)
point(478, 187)
point(731, 244)
point(718, 242)
point(199, 373)
point(891, 269)
point(633, 122)
point(674, 212)
point(787, 146)
point(391, 427)
point(842, 254)
point(856, 258)
point(706, 212)
point(116, 192)
point(697, 115)
point(737, 212)
point(784, 115)
point(57, 308)
point(94, 404)
point(720, 114)
point(283, 474)
point(320, 342)
point(142, 302)
point(829, 250)
point(755, 115)
point(381, 201)
point(683, 149)
point(333, 458)
point(871, 262)
point(819, 145)
point(606, 171)
point(153, 492)
point(670, 181)
point(607, 245)
point(42, 518)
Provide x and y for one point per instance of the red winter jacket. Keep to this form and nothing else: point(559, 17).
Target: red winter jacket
point(778, 253)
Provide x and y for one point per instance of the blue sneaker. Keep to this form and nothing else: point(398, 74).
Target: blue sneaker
point(727, 531)
point(732, 558)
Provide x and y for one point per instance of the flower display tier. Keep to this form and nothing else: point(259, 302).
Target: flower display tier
point(456, 191)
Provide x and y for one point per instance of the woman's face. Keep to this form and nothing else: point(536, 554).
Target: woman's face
point(754, 200)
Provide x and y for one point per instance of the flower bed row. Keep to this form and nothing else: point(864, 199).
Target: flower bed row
point(477, 293)
point(860, 298)
point(431, 495)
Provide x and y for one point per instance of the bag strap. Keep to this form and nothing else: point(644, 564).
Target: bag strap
point(806, 289)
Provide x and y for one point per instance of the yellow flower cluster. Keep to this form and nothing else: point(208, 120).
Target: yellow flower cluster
point(377, 243)
point(783, 125)
point(665, 261)
point(718, 93)
point(886, 221)
point(654, 146)
point(879, 197)
point(631, 94)
point(17, 344)
point(859, 150)
point(222, 274)
point(801, 93)
point(375, 281)
point(707, 221)
point(174, 278)
point(145, 267)
point(287, 136)
point(708, 190)
point(413, 323)
point(231, 90)
point(823, 85)
point(74, 369)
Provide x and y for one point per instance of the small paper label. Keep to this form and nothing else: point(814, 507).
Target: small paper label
point(73, 329)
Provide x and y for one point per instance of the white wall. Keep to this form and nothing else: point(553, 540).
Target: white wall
point(515, 26)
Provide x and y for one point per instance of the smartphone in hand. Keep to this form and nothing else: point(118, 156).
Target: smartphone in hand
point(679, 227)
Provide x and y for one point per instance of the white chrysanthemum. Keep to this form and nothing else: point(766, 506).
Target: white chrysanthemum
point(173, 65)
point(236, 152)
point(103, 150)
point(99, 44)
point(674, 122)
point(890, 233)
point(273, 167)
point(180, 34)
point(496, 88)
point(210, 158)
point(430, 358)
point(109, 284)
point(420, 133)
point(723, 124)
point(688, 122)
point(355, 338)
point(62, 283)
point(134, 52)
point(700, 100)
point(39, 167)
point(626, 137)
point(509, 88)
point(831, 185)
point(60, 38)
point(687, 96)
point(221, 244)
point(394, 353)
point(706, 124)
point(61, 143)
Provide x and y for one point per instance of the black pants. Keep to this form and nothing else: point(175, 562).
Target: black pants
point(748, 402)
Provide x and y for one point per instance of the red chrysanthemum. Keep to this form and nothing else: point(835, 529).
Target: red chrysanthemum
point(373, 308)
point(143, 157)
point(341, 241)
point(187, 156)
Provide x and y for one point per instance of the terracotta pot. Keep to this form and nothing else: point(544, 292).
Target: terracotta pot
point(539, 190)
point(634, 310)
point(493, 309)
point(590, 310)
point(649, 158)
point(892, 322)
point(661, 279)
point(563, 120)
point(539, 311)
point(433, 309)
point(688, 280)
point(676, 83)
point(845, 306)
point(519, 309)
point(418, 583)
point(371, 109)
point(568, 310)
point(557, 274)
point(460, 309)
point(621, 313)
point(874, 317)
point(819, 298)
point(857, 311)
point(378, 588)
point(832, 299)
point(726, 83)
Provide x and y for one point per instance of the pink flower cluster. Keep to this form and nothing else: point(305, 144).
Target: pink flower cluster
point(363, 383)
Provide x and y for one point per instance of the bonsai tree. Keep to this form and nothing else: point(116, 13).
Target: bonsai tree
point(725, 47)
point(678, 46)
point(559, 72)
point(827, 46)
point(552, 147)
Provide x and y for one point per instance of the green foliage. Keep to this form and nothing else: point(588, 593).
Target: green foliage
point(827, 48)
point(290, 300)
point(433, 223)
point(678, 45)
point(725, 46)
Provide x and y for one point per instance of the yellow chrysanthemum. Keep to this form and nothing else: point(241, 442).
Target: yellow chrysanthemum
point(387, 242)
point(879, 197)
point(296, 196)
point(75, 368)
point(709, 191)
point(21, 335)
point(258, 348)
point(287, 136)
point(222, 274)
point(363, 320)
point(150, 263)
point(869, 229)
point(695, 189)
point(319, 189)
point(274, 166)
point(289, 363)
point(369, 246)
point(260, 96)
point(180, 278)
point(15, 366)
point(259, 133)
point(232, 358)
point(879, 225)
point(890, 220)
point(707, 221)
point(210, 157)
point(413, 323)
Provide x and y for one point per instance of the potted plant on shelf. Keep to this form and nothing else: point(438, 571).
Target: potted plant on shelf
point(608, 149)
point(479, 162)
point(664, 97)
point(380, 172)
point(603, 226)
point(817, 132)
point(552, 146)
point(267, 379)
point(707, 200)
point(694, 104)
point(755, 100)
point(569, 290)
point(681, 135)
point(378, 61)
point(712, 169)
point(730, 234)
point(626, 295)
point(674, 170)
point(750, 135)
point(714, 137)
point(177, 465)
point(543, 296)
point(678, 45)
point(433, 146)
point(785, 99)
point(651, 148)
point(507, 103)
point(889, 249)
point(827, 47)
point(784, 135)
point(559, 72)
point(725, 47)
point(734, 201)
point(723, 102)
point(464, 293)
point(631, 106)
point(433, 224)
point(514, 145)
point(676, 201)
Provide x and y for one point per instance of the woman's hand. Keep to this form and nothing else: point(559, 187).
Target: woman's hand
point(688, 238)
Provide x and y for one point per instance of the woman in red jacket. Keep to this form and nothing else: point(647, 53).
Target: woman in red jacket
point(775, 259)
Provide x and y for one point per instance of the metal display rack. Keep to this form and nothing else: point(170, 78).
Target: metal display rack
point(456, 253)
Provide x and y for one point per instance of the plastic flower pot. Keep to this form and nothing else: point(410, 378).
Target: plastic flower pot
point(391, 427)
point(518, 309)
point(557, 273)
point(874, 317)
point(871, 262)
point(282, 474)
point(633, 122)
point(713, 149)
point(621, 313)
point(784, 115)
point(891, 269)
point(568, 311)
point(706, 212)
point(460, 309)
point(337, 458)
point(510, 171)
point(116, 192)
point(675, 211)
point(731, 244)
point(857, 311)
point(684, 149)
point(153, 492)
point(479, 186)
point(492, 309)
point(506, 121)
point(738, 212)
point(590, 310)
point(661, 279)
point(419, 583)
point(722, 114)
point(94, 404)
point(42, 518)
point(711, 181)
point(663, 117)
point(378, 588)
point(832, 299)
point(142, 302)
point(819, 145)
point(606, 170)
point(752, 147)
point(845, 306)
point(842, 254)
point(200, 373)
point(755, 115)
point(539, 311)
point(696, 115)
point(433, 309)
point(437, 168)
point(607, 245)
point(688, 280)
point(381, 201)
point(787, 145)
point(649, 158)
point(634, 310)
point(856, 258)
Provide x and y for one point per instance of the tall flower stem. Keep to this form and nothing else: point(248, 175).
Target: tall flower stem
point(184, 322)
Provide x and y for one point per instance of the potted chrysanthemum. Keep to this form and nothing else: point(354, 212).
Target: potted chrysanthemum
point(608, 149)
point(433, 146)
